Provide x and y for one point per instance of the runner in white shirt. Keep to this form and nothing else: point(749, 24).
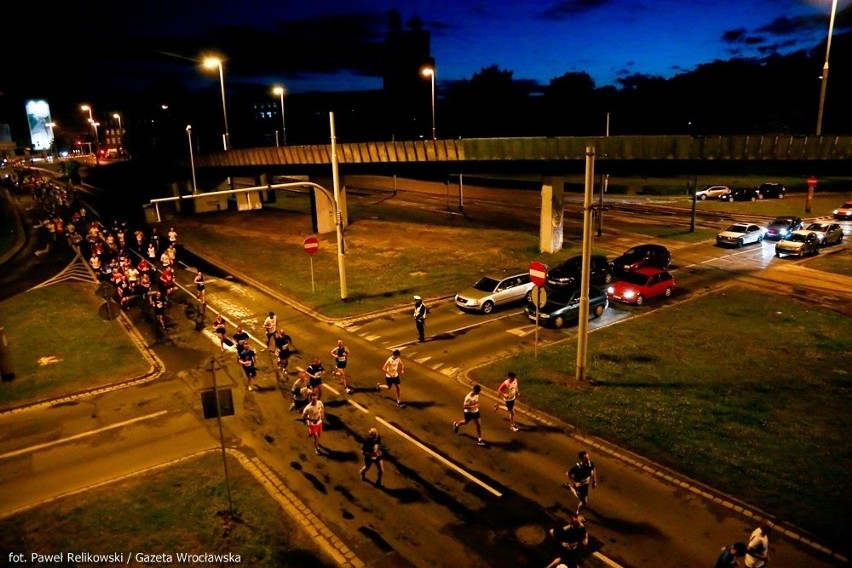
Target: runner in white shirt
point(393, 369)
point(471, 413)
point(270, 325)
point(314, 414)
point(510, 391)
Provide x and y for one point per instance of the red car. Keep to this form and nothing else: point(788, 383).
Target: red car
point(642, 283)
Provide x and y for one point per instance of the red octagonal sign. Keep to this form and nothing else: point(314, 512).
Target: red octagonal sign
point(538, 273)
point(311, 245)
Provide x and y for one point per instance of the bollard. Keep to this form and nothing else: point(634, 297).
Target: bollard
point(6, 373)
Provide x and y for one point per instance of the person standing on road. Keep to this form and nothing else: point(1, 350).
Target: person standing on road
point(247, 359)
point(372, 451)
point(509, 390)
point(569, 539)
point(341, 357)
point(471, 413)
point(314, 372)
point(270, 325)
point(757, 552)
point(420, 318)
point(314, 414)
point(729, 555)
point(582, 476)
point(393, 369)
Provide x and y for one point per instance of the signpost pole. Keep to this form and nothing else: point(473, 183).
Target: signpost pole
point(221, 436)
point(312, 274)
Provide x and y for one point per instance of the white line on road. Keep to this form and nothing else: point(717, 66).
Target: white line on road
point(442, 459)
point(81, 435)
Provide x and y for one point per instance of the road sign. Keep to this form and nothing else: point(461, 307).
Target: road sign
point(539, 296)
point(311, 245)
point(538, 273)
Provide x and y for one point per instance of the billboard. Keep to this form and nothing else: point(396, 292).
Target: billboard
point(41, 127)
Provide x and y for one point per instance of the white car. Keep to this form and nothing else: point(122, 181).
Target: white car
point(716, 191)
point(844, 212)
point(740, 234)
point(828, 233)
point(491, 291)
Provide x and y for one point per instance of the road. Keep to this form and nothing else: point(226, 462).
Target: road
point(446, 501)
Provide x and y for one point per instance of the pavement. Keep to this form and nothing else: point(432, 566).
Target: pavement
point(344, 556)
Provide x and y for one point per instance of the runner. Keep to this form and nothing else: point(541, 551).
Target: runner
point(301, 392)
point(341, 357)
point(199, 287)
point(314, 372)
point(314, 414)
point(284, 344)
point(582, 476)
point(471, 413)
point(371, 449)
point(247, 359)
point(393, 368)
point(270, 325)
point(509, 390)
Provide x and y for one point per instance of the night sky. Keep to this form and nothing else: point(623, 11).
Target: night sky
point(81, 49)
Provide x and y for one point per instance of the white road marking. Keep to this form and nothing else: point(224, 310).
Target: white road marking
point(423, 359)
point(37, 447)
point(450, 371)
point(440, 458)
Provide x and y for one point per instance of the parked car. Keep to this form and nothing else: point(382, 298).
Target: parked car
point(799, 243)
point(563, 306)
point(640, 256)
point(782, 227)
point(740, 234)
point(742, 194)
point(827, 233)
point(772, 190)
point(712, 191)
point(843, 212)
point(642, 284)
point(492, 291)
point(569, 272)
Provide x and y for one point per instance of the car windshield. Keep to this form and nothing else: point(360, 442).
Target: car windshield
point(636, 279)
point(797, 237)
point(817, 227)
point(781, 223)
point(847, 205)
point(737, 228)
point(486, 284)
point(571, 265)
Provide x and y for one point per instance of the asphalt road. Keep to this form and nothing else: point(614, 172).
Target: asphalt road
point(446, 501)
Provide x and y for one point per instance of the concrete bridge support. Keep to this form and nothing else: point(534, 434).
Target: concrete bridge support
point(322, 210)
point(552, 202)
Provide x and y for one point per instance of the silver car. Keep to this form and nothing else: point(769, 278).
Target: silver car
point(740, 234)
point(491, 291)
point(715, 191)
point(827, 233)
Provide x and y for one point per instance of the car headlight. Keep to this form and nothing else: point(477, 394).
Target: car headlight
point(610, 290)
point(629, 294)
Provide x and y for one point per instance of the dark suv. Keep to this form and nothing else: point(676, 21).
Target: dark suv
point(774, 190)
point(642, 255)
point(743, 194)
point(569, 272)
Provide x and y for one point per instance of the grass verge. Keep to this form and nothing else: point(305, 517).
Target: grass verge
point(48, 359)
point(173, 511)
point(748, 413)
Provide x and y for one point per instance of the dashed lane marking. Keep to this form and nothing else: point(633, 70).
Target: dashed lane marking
point(450, 371)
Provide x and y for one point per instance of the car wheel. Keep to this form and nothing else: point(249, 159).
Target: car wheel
point(739, 243)
point(559, 321)
point(529, 296)
point(668, 293)
point(640, 300)
point(753, 198)
point(488, 307)
point(702, 197)
point(801, 253)
point(759, 239)
point(780, 196)
point(599, 310)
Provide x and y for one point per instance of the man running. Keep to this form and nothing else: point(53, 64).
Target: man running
point(301, 393)
point(341, 357)
point(284, 344)
point(393, 369)
point(372, 451)
point(314, 372)
point(270, 325)
point(471, 414)
point(314, 414)
point(199, 287)
point(247, 359)
point(582, 476)
point(509, 390)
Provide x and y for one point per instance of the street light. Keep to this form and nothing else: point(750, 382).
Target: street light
point(825, 69)
point(94, 128)
point(120, 131)
point(430, 72)
point(212, 63)
point(279, 90)
point(191, 158)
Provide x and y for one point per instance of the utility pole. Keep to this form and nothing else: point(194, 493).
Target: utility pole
point(583, 321)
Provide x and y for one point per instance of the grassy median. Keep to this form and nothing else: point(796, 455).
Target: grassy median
point(177, 510)
point(749, 412)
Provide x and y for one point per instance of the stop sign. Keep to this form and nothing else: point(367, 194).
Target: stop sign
point(538, 273)
point(311, 245)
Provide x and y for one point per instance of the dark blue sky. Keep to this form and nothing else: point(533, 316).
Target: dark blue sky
point(336, 45)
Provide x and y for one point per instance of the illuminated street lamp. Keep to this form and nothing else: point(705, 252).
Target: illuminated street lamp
point(430, 72)
point(191, 158)
point(94, 128)
point(279, 90)
point(213, 63)
point(120, 131)
point(825, 69)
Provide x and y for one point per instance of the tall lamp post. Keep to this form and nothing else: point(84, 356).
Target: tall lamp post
point(430, 72)
point(825, 69)
point(191, 158)
point(279, 90)
point(120, 131)
point(94, 124)
point(212, 63)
